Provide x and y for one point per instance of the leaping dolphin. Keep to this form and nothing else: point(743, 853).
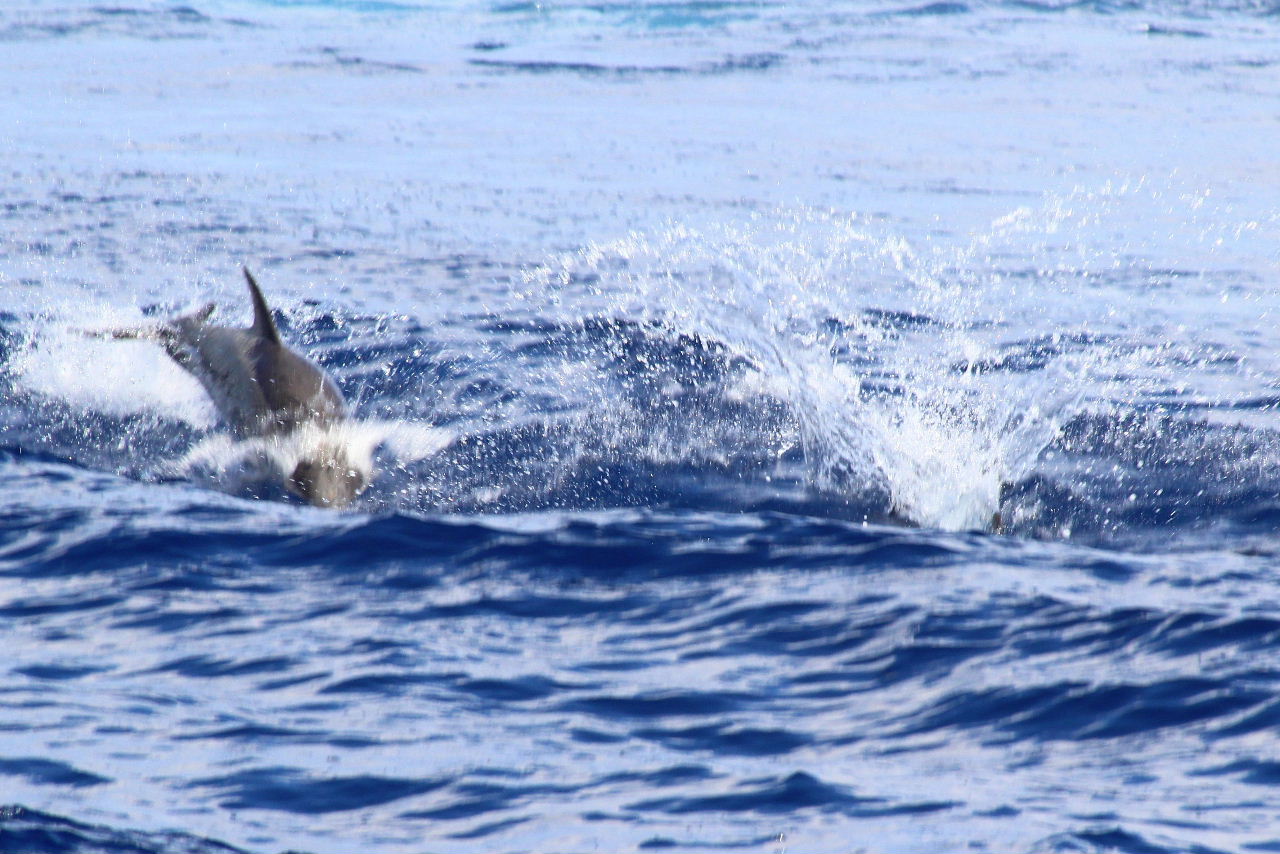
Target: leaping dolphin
point(264, 389)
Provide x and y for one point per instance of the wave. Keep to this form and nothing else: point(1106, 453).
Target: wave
point(30, 831)
point(737, 652)
point(726, 65)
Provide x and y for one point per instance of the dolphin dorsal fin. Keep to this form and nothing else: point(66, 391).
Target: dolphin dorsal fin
point(263, 325)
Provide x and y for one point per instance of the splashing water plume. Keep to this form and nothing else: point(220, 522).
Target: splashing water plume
point(884, 358)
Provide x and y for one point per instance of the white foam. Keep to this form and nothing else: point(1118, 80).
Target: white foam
point(226, 463)
point(117, 377)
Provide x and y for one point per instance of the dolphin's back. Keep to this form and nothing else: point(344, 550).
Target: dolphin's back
point(260, 386)
point(292, 388)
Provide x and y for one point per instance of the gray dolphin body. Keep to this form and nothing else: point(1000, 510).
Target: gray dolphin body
point(263, 389)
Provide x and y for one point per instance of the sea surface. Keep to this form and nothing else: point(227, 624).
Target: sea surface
point(800, 426)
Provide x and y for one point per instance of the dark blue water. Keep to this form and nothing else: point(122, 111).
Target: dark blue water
point(797, 428)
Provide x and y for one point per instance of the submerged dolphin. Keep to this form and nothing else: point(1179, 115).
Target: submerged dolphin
point(263, 389)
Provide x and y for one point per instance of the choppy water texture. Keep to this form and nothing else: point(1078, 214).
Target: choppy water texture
point(800, 427)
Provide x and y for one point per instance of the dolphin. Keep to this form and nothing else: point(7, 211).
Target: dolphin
point(262, 389)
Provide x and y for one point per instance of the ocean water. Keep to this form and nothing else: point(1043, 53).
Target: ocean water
point(823, 427)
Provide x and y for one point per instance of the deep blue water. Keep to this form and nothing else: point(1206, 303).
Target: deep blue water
point(799, 427)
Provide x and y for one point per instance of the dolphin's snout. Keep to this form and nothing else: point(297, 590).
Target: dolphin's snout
point(327, 482)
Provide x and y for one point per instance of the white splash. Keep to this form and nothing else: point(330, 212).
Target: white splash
point(890, 403)
point(61, 362)
point(229, 464)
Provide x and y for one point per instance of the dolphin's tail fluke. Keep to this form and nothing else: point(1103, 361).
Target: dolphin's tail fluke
point(161, 332)
point(136, 333)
